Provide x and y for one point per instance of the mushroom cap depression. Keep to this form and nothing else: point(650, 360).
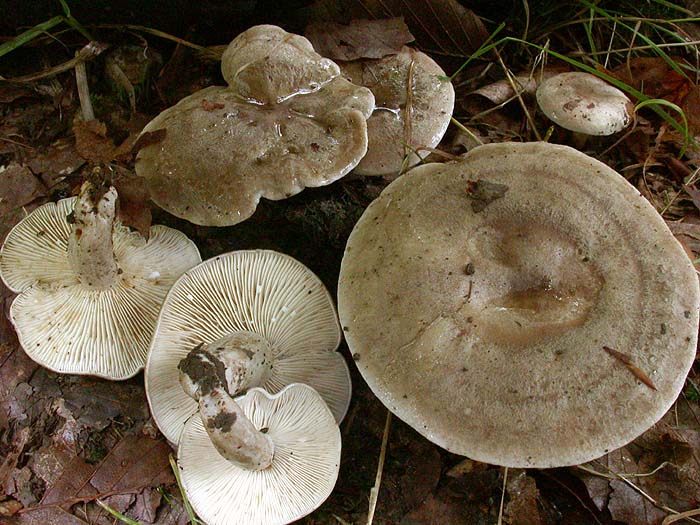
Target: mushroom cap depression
point(221, 149)
point(259, 291)
point(478, 296)
point(72, 328)
point(414, 105)
point(584, 103)
point(302, 475)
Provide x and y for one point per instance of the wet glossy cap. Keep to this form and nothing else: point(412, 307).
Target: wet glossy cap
point(478, 296)
point(286, 122)
point(414, 103)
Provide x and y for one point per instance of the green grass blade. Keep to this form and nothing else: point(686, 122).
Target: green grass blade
point(117, 514)
point(30, 34)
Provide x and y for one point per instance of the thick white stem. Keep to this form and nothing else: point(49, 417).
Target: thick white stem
point(233, 435)
point(90, 249)
point(239, 361)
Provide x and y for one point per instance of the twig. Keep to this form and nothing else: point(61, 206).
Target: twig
point(88, 52)
point(83, 91)
point(682, 516)
point(374, 491)
point(503, 496)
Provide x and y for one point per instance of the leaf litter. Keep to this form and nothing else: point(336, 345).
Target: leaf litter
point(52, 426)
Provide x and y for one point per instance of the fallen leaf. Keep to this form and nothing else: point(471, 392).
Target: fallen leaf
point(18, 188)
point(442, 27)
point(359, 38)
point(92, 143)
point(522, 507)
point(482, 193)
point(134, 208)
point(636, 371)
point(654, 77)
point(136, 463)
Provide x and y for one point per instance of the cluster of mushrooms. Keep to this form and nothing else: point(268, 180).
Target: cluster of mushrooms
point(483, 299)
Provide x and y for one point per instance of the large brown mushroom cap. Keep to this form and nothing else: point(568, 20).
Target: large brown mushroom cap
point(414, 104)
point(478, 296)
point(289, 124)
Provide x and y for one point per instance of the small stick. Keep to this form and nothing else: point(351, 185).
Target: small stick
point(374, 491)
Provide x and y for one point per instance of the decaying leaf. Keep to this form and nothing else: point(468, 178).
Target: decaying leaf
point(636, 371)
point(522, 507)
point(135, 464)
point(482, 193)
point(134, 202)
point(92, 143)
point(657, 471)
point(359, 38)
point(442, 27)
point(654, 77)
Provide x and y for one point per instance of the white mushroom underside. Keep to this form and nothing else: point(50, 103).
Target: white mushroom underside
point(303, 471)
point(260, 291)
point(69, 328)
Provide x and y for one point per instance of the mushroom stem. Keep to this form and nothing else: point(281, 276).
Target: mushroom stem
point(231, 432)
point(90, 249)
point(237, 361)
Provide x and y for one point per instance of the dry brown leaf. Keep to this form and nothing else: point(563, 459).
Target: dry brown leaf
point(522, 507)
point(133, 465)
point(654, 77)
point(442, 27)
point(359, 38)
point(92, 143)
point(627, 361)
point(134, 202)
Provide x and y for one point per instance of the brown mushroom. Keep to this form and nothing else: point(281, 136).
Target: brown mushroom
point(479, 297)
point(287, 121)
point(414, 102)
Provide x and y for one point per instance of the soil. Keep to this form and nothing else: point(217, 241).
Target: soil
point(68, 441)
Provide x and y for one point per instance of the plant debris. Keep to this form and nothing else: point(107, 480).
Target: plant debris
point(627, 361)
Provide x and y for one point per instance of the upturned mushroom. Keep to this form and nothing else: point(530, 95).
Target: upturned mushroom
point(89, 289)
point(414, 103)
point(484, 301)
point(286, 121)
point(259, 459)
point(262, 318)
point(584, 104)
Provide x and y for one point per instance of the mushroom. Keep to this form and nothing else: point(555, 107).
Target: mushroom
point(289, 444)
point(584, 104)
point(414, 103)
point(89, 289)
point(479, 298)
point(264, 319)
point(287, 121)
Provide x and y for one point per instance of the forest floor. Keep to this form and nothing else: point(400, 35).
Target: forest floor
point(69, 444)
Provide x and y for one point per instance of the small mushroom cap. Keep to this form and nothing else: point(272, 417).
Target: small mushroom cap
point(268, 65)
point(302, 475)
point(70, 328)
point(414, 104)
point(584, 103)
point(258, 291)
point(478, 295)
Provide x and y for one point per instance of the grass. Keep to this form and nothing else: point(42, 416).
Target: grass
point(612, 35)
